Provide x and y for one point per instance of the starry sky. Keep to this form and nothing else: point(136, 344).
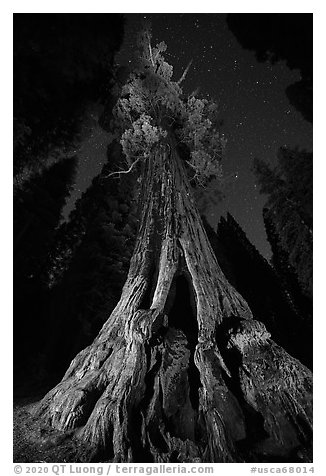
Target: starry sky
point(257, 117)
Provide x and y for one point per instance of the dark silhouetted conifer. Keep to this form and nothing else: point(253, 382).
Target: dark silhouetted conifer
point(62, 62)
point(289, 208)
point(37, 213)
point(273, 300)
point(89, 264)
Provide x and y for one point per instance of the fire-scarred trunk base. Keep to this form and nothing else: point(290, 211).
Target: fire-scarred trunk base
point(259, 412)
point(181, 372)
point(165, 398)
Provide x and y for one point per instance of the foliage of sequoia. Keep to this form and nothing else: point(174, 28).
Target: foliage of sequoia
point(62, 62)
point(289, 208)
point(152, 105)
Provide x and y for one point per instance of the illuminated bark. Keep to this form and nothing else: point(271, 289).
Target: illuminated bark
point(181, 371)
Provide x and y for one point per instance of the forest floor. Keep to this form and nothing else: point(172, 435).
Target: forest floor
point(31, 445)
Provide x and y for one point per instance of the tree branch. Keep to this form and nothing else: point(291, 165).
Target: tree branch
point(125, 171)
point(150, 52)
point(185, 73)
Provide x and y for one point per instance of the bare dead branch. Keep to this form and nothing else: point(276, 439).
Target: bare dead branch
point(124, 171)
point(185, 73)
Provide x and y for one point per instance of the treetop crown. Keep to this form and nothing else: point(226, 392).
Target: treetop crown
point(153, 108)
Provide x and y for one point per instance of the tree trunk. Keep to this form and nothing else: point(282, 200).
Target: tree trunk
point(181, 371)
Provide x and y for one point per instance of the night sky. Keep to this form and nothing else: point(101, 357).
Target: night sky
point(257, 116)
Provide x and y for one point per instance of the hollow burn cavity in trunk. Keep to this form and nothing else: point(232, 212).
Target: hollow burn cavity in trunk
point(182, 314)
point(254, 420)
point(141, 451)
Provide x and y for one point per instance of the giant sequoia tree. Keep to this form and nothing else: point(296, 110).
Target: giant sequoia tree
point(180, 371)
